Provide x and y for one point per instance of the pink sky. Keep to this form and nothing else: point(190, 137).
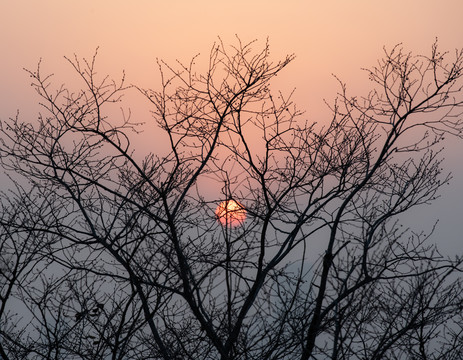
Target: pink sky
point(327, 37)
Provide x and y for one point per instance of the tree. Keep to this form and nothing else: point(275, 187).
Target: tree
point(110, 254)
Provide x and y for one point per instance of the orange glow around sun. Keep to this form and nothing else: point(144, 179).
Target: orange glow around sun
point(230, 213)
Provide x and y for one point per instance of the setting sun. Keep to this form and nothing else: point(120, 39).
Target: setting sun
point(230, 213)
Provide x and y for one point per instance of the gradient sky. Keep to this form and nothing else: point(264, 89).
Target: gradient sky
point(327, 37)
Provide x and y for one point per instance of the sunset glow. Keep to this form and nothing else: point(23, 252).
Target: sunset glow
point(230, 213)
point(333, 37)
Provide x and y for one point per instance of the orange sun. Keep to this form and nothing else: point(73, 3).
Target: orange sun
point(230, 213)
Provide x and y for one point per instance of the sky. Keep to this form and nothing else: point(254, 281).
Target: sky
point(328, 37)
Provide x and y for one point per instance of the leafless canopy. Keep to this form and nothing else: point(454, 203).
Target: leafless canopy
point(108, 254)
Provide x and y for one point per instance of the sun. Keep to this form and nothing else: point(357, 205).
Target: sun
point(230, 213)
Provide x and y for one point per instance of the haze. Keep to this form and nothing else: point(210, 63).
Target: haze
point(328, 37)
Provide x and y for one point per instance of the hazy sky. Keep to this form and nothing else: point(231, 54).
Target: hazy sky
point(327, 37)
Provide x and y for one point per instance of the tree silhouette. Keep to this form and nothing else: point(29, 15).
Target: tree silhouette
point(108, 254)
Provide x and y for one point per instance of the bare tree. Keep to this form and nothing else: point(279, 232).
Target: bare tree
point(108, 254)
